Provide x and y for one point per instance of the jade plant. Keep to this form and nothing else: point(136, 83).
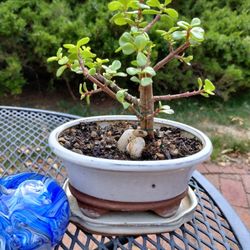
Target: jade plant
point(139, 17)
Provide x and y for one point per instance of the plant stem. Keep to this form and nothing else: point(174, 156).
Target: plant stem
point(177, 96)
point(104, 88)
point(70, 90)
point(147, 109)
point(171, 56)
point(116, 88)
point(150, 25)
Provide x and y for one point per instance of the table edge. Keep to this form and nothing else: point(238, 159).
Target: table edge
point(240, 230)
point(41, 111)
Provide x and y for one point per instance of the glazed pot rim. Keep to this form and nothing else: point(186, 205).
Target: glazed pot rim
point(130, 165)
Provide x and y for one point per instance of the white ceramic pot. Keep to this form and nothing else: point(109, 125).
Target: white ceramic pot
point(129, 181)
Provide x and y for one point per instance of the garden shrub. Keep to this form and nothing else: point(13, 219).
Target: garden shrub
point(32, 30)
point(225, 54)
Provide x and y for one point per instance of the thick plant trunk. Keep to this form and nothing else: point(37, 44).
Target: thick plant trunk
point(147, 109)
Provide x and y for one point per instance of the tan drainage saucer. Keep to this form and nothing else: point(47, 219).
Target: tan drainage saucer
point(132, 223)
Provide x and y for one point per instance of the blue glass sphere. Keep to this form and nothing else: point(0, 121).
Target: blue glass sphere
point(34, 212)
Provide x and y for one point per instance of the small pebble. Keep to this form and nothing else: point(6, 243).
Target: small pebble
point(174, 152)
point(77, 145)
point(78, 151)
point(67, 144)
point(160, 134)
point(160, 156)
point(93, 134)
point(61, 140)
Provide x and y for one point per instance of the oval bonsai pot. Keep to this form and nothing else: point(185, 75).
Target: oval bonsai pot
point(102, 184)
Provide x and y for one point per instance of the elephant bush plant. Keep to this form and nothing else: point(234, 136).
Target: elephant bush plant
point(139, 17)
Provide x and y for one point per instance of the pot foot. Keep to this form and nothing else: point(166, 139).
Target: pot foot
point(166, 211)
point(92, 212)
point(94, 207)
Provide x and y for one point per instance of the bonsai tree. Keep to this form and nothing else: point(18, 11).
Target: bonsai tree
point(140, 17)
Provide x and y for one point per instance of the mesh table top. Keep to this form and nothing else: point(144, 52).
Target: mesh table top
point(24, 147)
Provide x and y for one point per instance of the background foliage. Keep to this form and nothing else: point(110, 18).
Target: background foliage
point(32, 30)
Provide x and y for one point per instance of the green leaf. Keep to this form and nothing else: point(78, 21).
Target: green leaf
point(200, 84)
point(183, 25)
point(161, 32)
point(121, 74)
point(120, 95)
point(153, 3)
point(73, 57)
point(195, 22)
point(115, 5)
point(129, 21)
point(171, 30)
point(149, 70)
point(169, 21)
point(132, 71)
point(60, 70)
point(194, 42)
point(144, 6)
point(209, 87)
point(59, 53)
point(187, 59)
point(101, 61)
point(92, 71)
point(120, 21)
point(80, 89)
point(85, 87)
point(141, 41)
point(134, 29)
point(52, 59)
point(125, 38)
point(135, 79)
point(172, 13)
point(118, 49)
point(69, 46)
point(134, 63)
point(178, 35)
point(128, 48)
point(82, 42)
point(167, 2)
point(146, 81)
point(63, 60)
point(150, 12)
point(141, 59)
point(167, 111)
point(165, 107)
point(87, 54)
point(205, 94)
point(125, 105)
point(134, 4)
point(197, 33)
point(143, 24)
point(115, 65)
point(88, 100)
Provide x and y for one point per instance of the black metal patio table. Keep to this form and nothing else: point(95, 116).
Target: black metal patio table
point(23, 147)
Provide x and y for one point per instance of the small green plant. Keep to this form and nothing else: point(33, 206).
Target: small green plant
point(140, 17)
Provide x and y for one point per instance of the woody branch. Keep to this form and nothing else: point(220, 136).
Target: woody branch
point(177, 96)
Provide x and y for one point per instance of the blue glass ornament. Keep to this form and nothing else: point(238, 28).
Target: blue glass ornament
point(34, 212)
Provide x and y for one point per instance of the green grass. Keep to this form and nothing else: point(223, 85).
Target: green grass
point(226, 123)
